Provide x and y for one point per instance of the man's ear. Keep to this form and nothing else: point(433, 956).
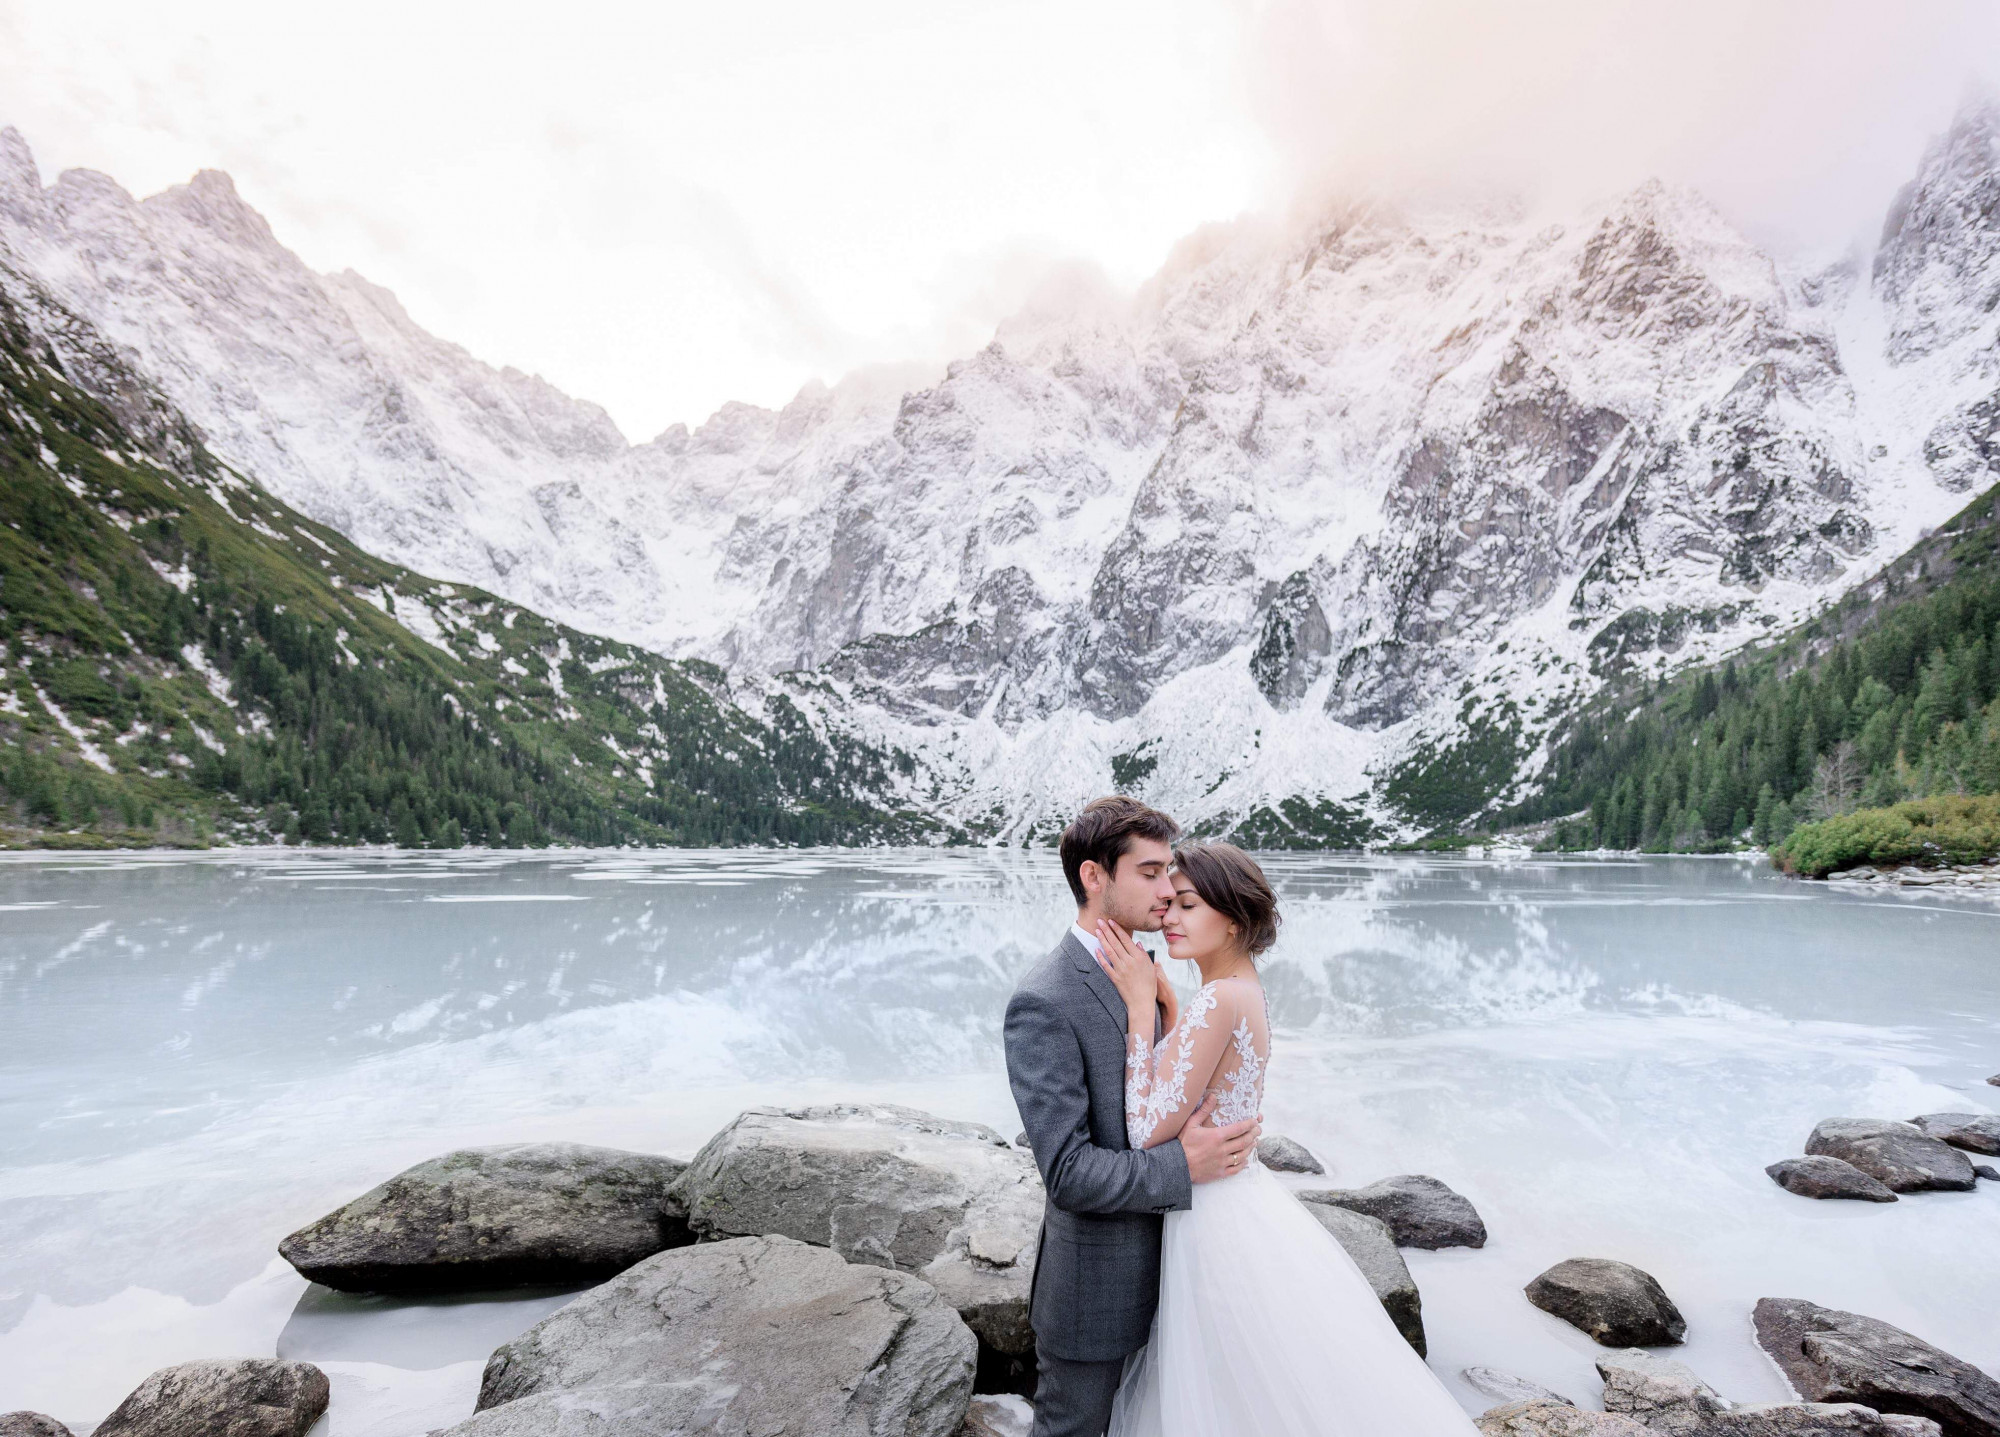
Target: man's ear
point(1092, 876)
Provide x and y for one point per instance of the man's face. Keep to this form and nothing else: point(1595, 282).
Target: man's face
point(1139, 891)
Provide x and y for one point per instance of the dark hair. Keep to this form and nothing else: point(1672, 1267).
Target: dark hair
point(1102, 833)
point(1230, 882)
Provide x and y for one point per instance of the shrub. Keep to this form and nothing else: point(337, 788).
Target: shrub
point(1946, 829)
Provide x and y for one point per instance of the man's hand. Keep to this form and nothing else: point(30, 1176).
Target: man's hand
point(1217, 1152)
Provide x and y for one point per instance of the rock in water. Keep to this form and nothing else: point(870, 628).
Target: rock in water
point(1420, 1210)
point(242, 1397)
point(1369, 1242)
point(1614, 1302)
point(1987, 1171)
point(755, 1334)
point(1552, 1419)
point(1898, 1155)
point(1824, 1177)
point(30, 1424)
point(1673, 1402)
point(496, 1217)
point(1833, 1356)
point(948, 1201)
point(1975, 1132)
point(1663, 1394)
point(1506, 1387)
point(1282, 1155)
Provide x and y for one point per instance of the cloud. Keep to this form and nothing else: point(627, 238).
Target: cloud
point(1798, 117)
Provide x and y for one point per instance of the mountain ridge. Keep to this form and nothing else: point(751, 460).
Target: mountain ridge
point(1317, 509)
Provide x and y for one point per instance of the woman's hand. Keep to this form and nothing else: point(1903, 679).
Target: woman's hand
point(1132, 969)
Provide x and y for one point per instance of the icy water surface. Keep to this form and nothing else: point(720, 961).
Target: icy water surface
point(199, 1055)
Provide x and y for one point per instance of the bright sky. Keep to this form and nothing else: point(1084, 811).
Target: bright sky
point(661, 206)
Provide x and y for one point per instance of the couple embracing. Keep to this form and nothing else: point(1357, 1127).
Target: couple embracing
point(1180, 1291)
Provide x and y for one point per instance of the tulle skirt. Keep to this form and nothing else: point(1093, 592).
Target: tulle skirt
point(1266, 1328)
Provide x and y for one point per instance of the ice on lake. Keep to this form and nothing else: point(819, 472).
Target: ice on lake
point(202, 1053)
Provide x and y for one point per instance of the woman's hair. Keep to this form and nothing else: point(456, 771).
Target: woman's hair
point(1230, 882)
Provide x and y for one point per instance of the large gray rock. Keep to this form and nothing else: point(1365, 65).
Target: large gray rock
point(1420, 1210)
point(30, 1424)
point(1975, 1132)
point(222, 1397)
point(1614, 1302)
point(496, 1217)
point(1505, 1387)
point(1824, 1177)
point(1834, 1356)
point(1897, 1155)
point(951, 1202)
point(1542, 1418)
point(1282, 1155)
point(752, 1335)
point(1369, 1242)
point(1672, 1401)
point(1660, 1392)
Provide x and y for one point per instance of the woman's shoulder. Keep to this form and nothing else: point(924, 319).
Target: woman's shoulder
point(1231, 994)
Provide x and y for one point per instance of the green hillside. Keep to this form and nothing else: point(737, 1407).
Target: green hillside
point(187, 659)
point(1891, 695)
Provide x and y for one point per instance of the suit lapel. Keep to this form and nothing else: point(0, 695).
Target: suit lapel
point(1098, 982)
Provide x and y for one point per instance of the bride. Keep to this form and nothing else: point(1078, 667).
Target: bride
point(1265, 1326)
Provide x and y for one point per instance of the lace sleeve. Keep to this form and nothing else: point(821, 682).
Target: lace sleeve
point(1158, 1093)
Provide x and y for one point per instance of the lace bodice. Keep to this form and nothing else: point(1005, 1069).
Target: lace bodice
point(1222, 1042)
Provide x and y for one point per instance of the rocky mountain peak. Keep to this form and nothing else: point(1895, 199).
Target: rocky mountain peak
point(1938, 266)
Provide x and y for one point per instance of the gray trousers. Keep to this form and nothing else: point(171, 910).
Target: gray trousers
point(1073, 1399)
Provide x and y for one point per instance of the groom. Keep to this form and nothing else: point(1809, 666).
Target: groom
point(1097, 1273)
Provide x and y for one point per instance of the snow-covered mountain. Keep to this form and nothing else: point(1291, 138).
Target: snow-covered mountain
point(1323, 505)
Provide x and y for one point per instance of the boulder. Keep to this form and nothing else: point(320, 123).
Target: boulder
point(1663, 1394)
point(1282, 1155)
point(30, 1424)
point(1506, 1387)
point(1369, 1242)
point(1614, 1302)
point(1995, 1080)
point(1898, 1155)
point(496, 1217)
point(758, 1334)
point(222, 1397)
point(1975, 1132)
point(948, 1201)
point(1986, 1171)
point(1824, 1177)
point(1420, 1210)
point(1833, 1356)
point(998, 1416)
point(1672, 1401)
point(1542, 1418)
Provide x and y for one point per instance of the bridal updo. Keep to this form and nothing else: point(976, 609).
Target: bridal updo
point(1230, 882)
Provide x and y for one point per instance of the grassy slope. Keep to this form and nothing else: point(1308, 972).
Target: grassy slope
point(188, 658)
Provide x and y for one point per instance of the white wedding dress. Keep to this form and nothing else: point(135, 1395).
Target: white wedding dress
point(1265, 1328)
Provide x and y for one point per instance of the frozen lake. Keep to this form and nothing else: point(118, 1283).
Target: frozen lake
point(199, 1054)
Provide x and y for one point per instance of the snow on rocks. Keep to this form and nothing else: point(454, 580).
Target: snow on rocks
point(952, 1202)
point(1899, 1155)
point(1833, 1356)
point(221, 1397)
point(1505, 1387)
point(754, 1334)
point(1614, 1303)
point(1420, 1210)
point(496, 1217)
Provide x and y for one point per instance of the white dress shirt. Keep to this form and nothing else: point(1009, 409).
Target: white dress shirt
point(1090, 941)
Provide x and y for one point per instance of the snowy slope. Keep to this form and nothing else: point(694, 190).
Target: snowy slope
point(1318, 498)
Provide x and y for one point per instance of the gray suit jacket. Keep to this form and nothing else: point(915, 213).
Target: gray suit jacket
point(1097, 1273)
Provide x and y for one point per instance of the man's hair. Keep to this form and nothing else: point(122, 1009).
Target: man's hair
point(1230, 882)
point(1104, 831)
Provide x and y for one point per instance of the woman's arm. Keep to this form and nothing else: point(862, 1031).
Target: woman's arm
point(1163, 1086)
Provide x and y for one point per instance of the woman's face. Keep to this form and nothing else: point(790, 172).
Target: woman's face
point(1193, 930)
